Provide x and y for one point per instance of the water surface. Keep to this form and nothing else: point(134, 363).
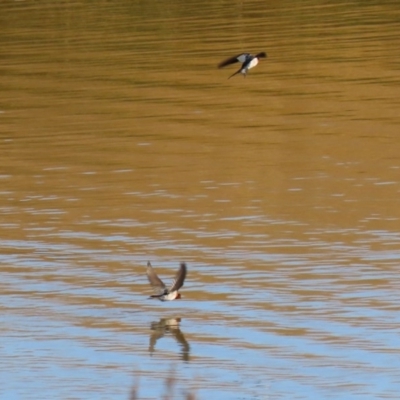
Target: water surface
point(121, 142)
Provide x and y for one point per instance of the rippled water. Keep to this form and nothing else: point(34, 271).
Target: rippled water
point(121, 142)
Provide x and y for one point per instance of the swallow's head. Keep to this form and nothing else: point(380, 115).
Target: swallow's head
point(178, 296)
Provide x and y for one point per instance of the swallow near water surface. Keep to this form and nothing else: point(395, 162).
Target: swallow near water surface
point(162, 292)
point(248, 61)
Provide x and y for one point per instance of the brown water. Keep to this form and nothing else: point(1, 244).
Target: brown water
point(121, 142)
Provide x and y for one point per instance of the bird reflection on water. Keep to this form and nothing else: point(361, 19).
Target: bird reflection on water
point(169, 326)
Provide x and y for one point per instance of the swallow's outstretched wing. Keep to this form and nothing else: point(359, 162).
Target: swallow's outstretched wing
point(232, 60)
point(179, 278)
point(155, 281)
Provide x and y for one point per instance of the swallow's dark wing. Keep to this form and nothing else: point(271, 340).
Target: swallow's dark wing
point(239, 58)
point(179, 279)
point(155, 281)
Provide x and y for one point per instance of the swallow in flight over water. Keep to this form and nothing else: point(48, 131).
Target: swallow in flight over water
point(162, 292)
point(248, 61)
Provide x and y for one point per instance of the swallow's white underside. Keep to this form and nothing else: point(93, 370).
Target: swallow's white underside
point(170, 296)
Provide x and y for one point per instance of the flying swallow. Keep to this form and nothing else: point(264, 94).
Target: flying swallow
point(248, 61)
point(162, 292)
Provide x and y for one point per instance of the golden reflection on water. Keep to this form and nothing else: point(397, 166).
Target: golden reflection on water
point(122, 142)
